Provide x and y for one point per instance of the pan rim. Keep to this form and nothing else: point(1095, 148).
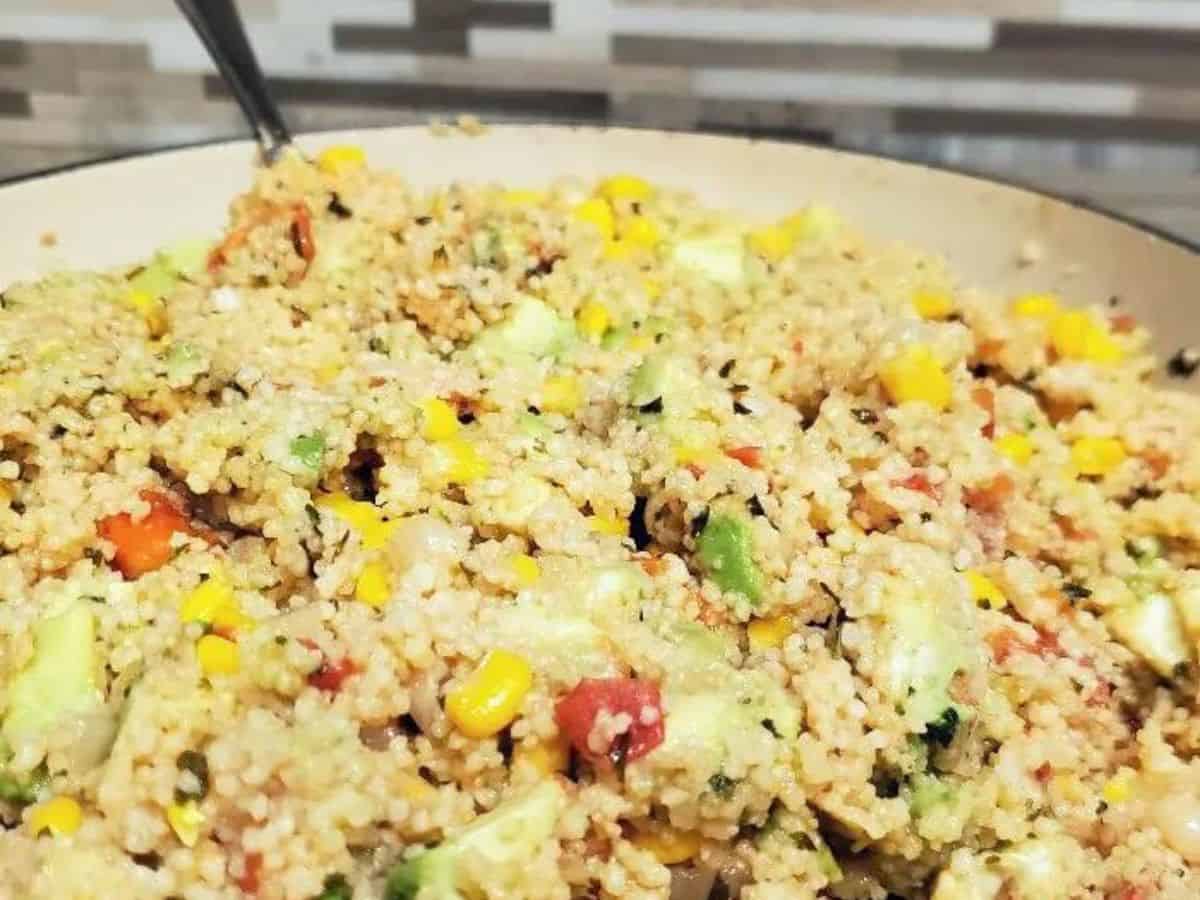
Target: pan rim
point(1158, 232)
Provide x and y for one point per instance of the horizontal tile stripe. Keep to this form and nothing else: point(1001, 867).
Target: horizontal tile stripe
point(787, 26)
point(902, 90)
point(1078, 63)
point(351, 37)
point(1080, 127)
point(527, 102)
point(14, 104)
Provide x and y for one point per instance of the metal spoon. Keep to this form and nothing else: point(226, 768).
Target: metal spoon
point(219, 26)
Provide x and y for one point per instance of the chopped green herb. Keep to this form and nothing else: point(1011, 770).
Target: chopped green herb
point(722, 785)
point(196, 763)
point(308, 449)
point(336, 887)
point(377, 345)
point(314, 516)
point(23, 791)
point(942, 729)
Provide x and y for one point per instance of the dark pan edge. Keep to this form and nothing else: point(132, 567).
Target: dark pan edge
point(1163, 234)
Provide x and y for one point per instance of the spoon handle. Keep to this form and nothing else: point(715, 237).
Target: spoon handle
point(219, 26)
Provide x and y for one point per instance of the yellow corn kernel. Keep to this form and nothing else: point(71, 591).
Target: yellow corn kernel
point(765, 634)
point(213, 603)
point(414, 788)
point(593, 320)
point(613, 525)
point(522, 197)
point(440, 420)
point(670, 846)
point(640, 231)
point(546, 757)
point(984, 591)
point(641, 343)
point(1076, 335)
point(61, 816)
point(458, 462)
point(149, 308)
point(52, 351)
point(598, 213)
point(812, 222)
point(625, 187)
point(616, 250)
point(1017, 447)
point(1035, 306)
point(491, 696)
point(686, 454)
point(561, 394)
point(373, 586)
point(652, 288)
point(217, 655)
point(1097, 456)
point(365, 518)
point(932, 304)
point(915, 376)
point(1068, 787)
point(341, 158)
point(1119, 788)
point(526, 568)
point(771, 242)
point(185, 820)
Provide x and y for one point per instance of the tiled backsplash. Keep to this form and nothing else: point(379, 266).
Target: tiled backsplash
point(1093, 98)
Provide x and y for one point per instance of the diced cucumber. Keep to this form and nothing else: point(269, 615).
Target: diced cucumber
point(719, 257)
point(157, 279)
point(500, 843)
point(664, 378)
point(1151, 628)
point(924, 792)
point(924, 654)
point(187, 257)
point(532, 329)
point(60, 680)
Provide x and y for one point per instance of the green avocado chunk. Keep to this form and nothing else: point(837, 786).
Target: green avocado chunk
point(724, 549)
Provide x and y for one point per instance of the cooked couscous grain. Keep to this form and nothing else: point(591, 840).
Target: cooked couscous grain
point(586, 542)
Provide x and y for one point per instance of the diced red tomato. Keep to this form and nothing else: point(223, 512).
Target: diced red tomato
point(145, 544)
point(919, 483)
point(1071, 531)
point(1101, 695)
point(1129, 892)
point(747, 456)
point(1002, 644)
point(797, 346)
point(577, 711)
point(986, 400)
point(1043, 772)
point(1047, 645)
point(249, 880)
point(989, 497)
point(1158, 462)
point(1122, 324)
point(329, 675)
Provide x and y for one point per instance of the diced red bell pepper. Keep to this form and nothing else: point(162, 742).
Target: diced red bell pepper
point(751, 457)
point(249, 880)
point(145, 544)
point(639, 698)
